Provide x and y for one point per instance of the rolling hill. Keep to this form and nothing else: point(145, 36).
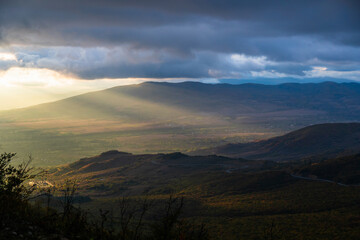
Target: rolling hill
point(344, 170)
point(236, 198)
point(171, 117)
point(322, 140)
point(119, 173)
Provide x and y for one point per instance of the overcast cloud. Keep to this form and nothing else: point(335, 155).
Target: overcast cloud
point(183, 38)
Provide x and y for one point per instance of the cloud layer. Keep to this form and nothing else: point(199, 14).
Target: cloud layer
point(183, 38)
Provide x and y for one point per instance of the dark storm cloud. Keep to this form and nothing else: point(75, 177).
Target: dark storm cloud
point(182, 38)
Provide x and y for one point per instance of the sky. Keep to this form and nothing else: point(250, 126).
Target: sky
point(54, 49)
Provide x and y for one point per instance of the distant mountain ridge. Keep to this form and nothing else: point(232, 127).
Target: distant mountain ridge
point(172, 117)
point(322, 140)
point(225, 99)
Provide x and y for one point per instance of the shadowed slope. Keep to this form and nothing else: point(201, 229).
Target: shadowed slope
point(138, 174)
point(345, 170)
point(327, 140)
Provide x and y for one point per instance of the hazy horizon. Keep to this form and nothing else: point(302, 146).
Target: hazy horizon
point(48, 98)
point(48, 53)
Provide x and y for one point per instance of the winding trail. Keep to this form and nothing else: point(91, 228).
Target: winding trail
point(320, 180)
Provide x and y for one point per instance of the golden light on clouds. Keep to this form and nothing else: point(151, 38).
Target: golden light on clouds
point(22, 87)
point(33, 77)
point(4, 56)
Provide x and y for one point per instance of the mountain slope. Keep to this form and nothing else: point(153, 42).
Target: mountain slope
point(345, 170)
point(225, 99)
point(326, 140)
point(116, 172)
point(171, 117)
point(243, 201)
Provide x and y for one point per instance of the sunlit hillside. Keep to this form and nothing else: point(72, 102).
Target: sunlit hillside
point(164, 117)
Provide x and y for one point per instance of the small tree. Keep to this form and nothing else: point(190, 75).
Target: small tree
point(12, 178)
point(14, 192)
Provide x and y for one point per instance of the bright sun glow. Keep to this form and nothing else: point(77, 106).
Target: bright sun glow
point(33, 77)
point(22, 87)
point(7, 57)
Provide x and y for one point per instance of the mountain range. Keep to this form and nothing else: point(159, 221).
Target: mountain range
point(339, 100)
point(172, 117)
